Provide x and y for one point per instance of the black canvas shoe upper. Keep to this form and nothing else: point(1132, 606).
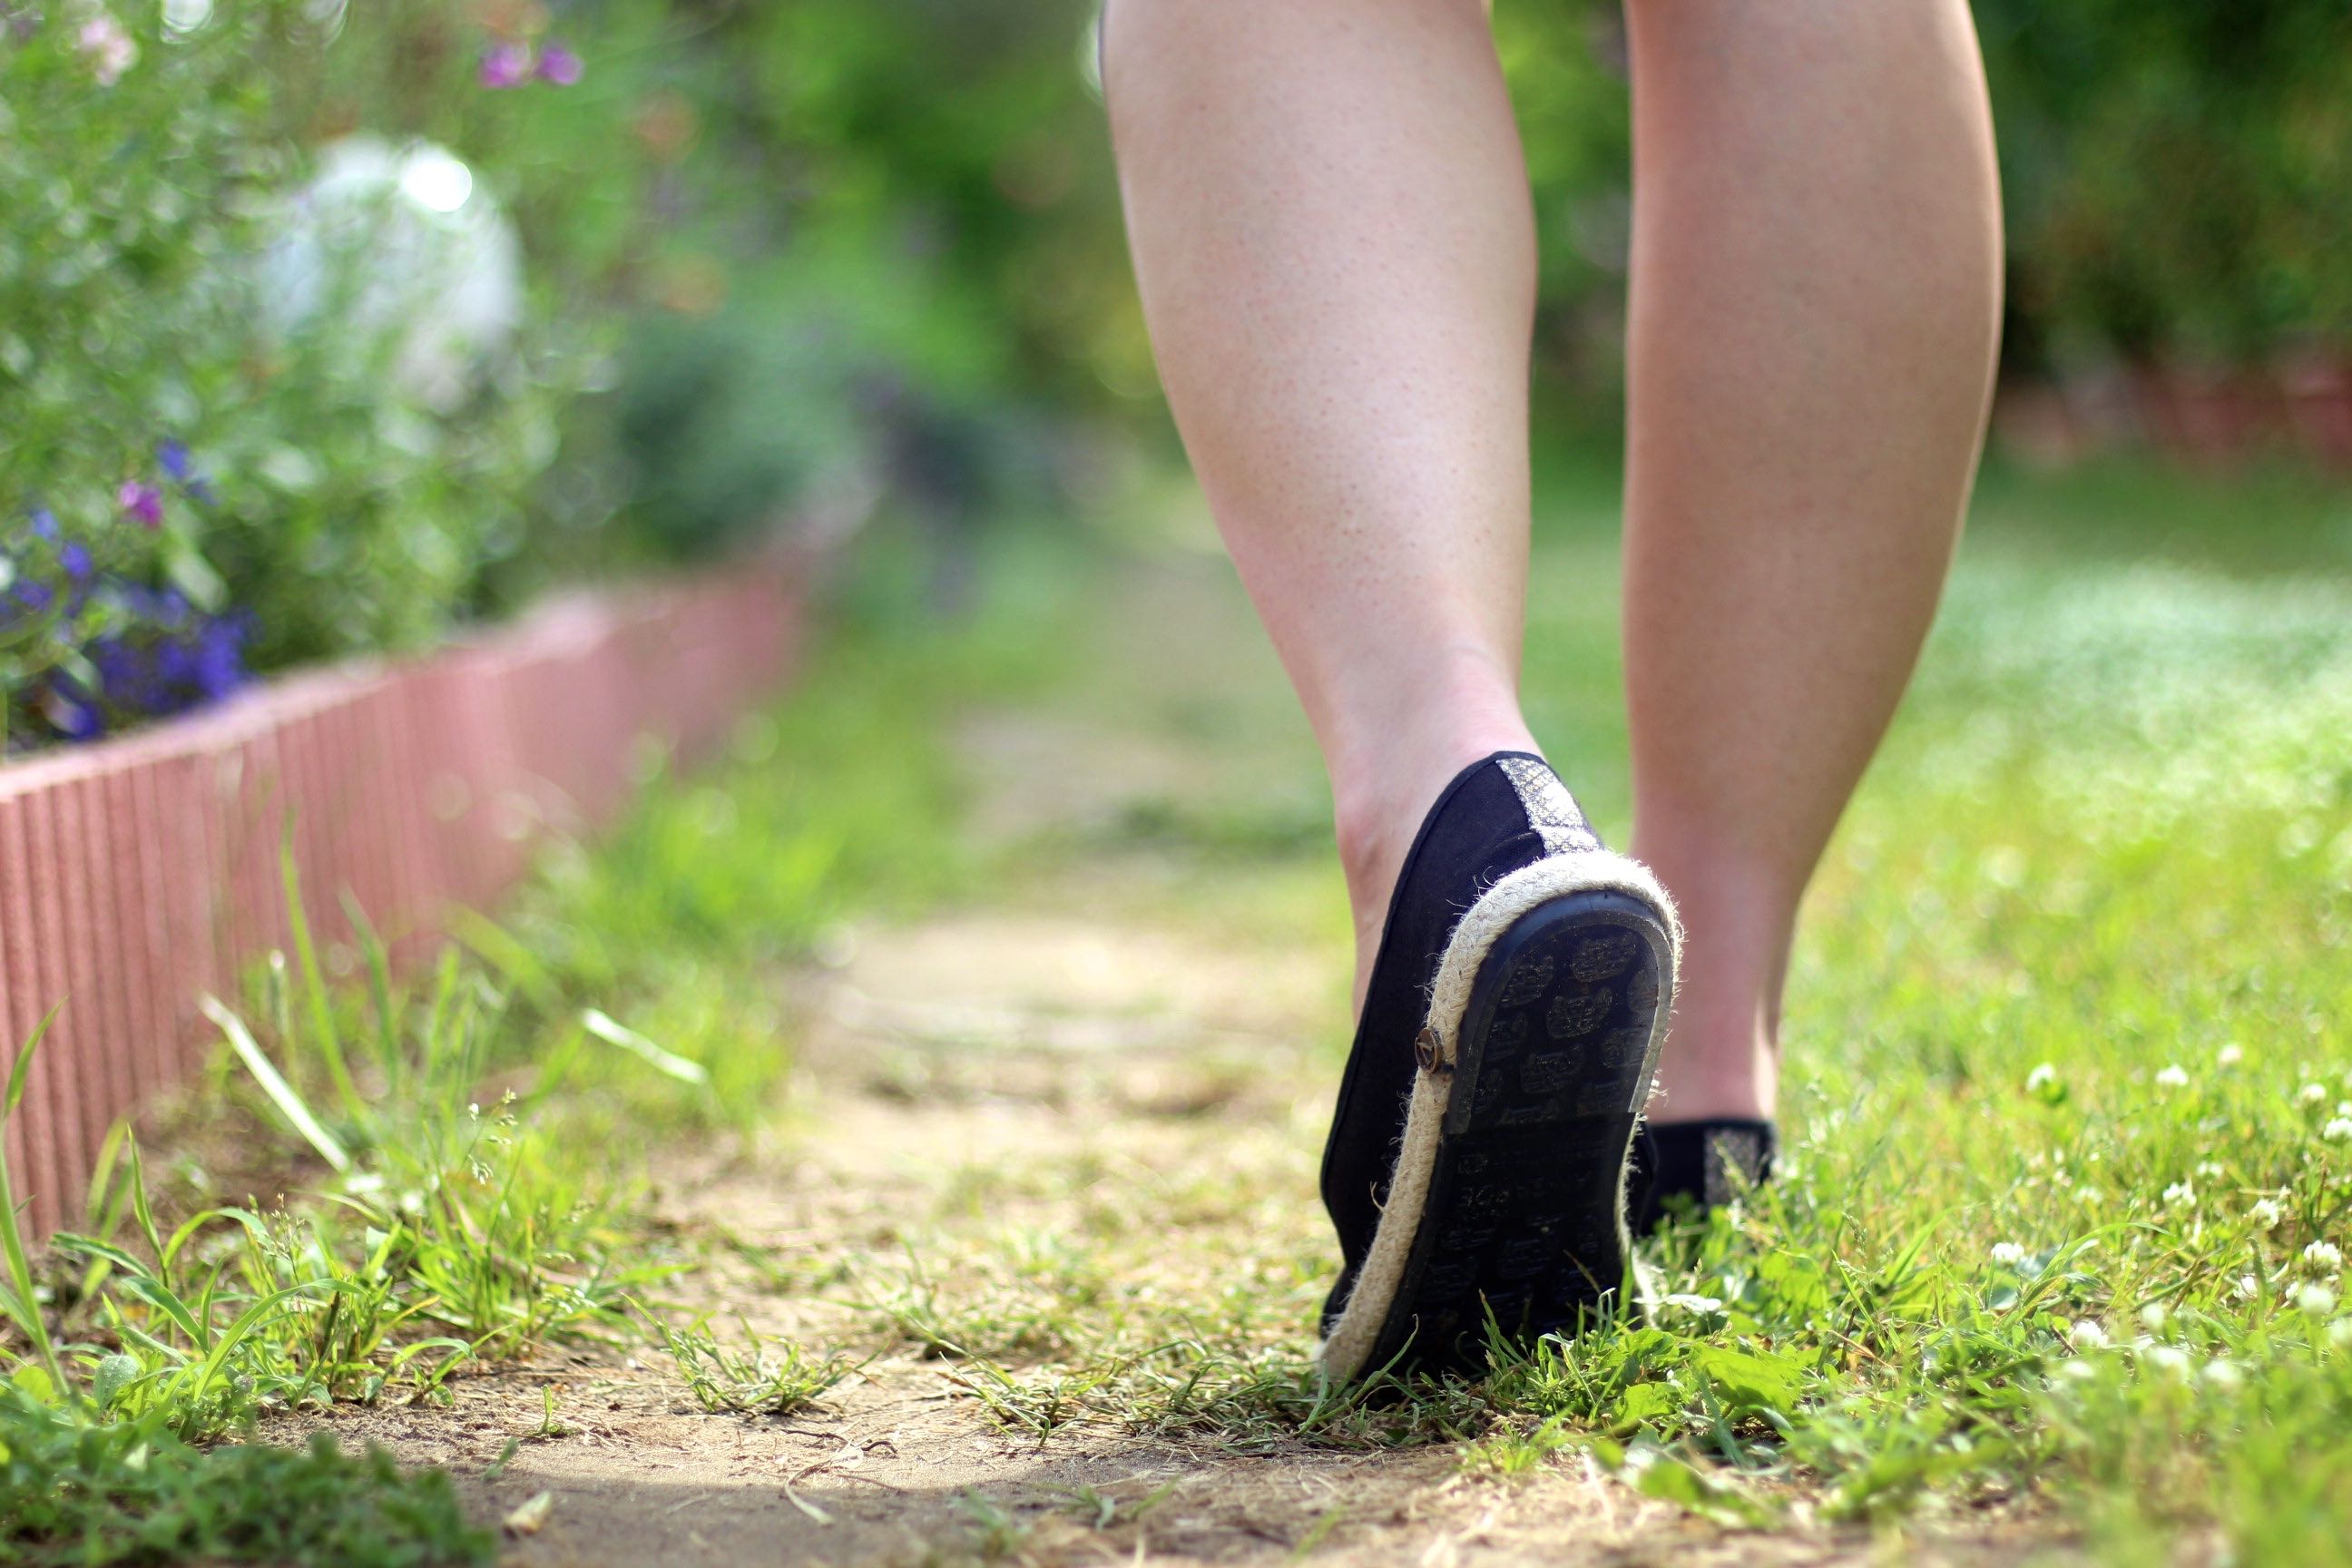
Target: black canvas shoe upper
point(1482, 827)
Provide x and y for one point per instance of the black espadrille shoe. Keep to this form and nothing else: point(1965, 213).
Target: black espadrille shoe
point(1690, 1167)
point(1476, 1167)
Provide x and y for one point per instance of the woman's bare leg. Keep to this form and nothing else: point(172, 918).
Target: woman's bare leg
point(1329, 218)
point(1815, 301)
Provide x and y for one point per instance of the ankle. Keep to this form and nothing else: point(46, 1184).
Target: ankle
point(1390, 759)
point(1721, 1060)
point(1381, 791)
point(1711, 1081)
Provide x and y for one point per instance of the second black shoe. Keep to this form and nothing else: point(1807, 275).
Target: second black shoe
point(1476, 1163)
point(1692, 1167)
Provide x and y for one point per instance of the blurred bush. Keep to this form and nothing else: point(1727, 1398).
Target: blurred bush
point(2179, 177)
point(211, 458)
point(236, 235)
point(801, 247)
point(2179, 181)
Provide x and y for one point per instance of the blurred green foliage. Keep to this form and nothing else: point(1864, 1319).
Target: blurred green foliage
point(2179, 180)
point(769, 249)
point(2179, 177)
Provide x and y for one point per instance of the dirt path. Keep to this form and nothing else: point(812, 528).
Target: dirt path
point(1097, 1100)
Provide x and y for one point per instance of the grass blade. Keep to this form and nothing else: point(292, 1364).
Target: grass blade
point(280, 1092)
point(27, 1303)
point(314, 981)
point(613, 1031)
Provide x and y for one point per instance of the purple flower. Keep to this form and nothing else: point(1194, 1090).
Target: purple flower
point(144, 502)
point(505, 65)
point(45, 523)
point(76, 560)
point(559, 65)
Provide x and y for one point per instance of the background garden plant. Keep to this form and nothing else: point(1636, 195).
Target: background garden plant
point(912, 279)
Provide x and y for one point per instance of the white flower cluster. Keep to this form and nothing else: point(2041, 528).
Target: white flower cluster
point(2173, 1076)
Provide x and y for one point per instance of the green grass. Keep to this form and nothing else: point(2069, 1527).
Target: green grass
point(460, 1147)
point(2069, 1163)
point(766, 1378)
point(2070, 1167)
point(76, 1493)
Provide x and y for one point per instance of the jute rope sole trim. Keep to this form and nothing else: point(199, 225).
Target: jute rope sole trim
point(1344, 1351)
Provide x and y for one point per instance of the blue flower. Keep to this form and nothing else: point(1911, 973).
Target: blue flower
point(76, 560)
point(173, 456)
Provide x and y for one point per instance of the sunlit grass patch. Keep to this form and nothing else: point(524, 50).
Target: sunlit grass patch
point(2070, 1155)
point(72, 1493)
point(2056, 1238)
point(763, 1376)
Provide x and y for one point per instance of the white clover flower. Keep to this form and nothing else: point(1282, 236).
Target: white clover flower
point(2152, 1315)
point(2041, 1078)
point(2316, 1300)
point(2324, 1255)
point(2210, 1170)
point(2007, 1252)
point(2077, 1371)
point(2180, 1194)
point(2344, 1108)
point(2171, 1358)
point(2312, 1093)
point(2173, 1076)
point(2228, 1056)
point(2087, 1335)
point(2265, 1213)
point(2340, 1332)
point(2223, 1373)
point(2248, 1288)
point(2337, 1130)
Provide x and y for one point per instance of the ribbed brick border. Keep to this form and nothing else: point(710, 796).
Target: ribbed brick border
point(140, 873)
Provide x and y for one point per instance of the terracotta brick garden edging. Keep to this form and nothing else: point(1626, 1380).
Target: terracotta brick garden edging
point(138, 874)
